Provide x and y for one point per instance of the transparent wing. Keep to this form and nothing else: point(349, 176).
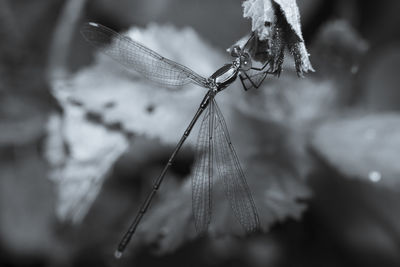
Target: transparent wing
point(202, 178)
point(135, 56)
point(252, 79)
point(229, 169)
point(251, 41)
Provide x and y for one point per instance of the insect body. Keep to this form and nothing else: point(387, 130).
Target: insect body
point(213, 144)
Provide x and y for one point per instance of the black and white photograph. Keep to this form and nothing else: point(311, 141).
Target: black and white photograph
point(202, 133)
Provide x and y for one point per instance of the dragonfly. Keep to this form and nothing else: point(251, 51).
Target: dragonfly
point(214, 145)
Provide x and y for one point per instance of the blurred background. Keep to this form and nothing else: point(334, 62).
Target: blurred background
point(81, 139)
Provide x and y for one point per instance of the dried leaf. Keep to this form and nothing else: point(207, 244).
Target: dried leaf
point(260, 12)
point(291, 12)
point(277, 27)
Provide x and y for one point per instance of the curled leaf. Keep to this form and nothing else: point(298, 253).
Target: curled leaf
point(291, 13)
point(261, 13)
point(277, 27)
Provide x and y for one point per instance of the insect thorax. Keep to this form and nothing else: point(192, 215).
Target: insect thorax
point(224, 76)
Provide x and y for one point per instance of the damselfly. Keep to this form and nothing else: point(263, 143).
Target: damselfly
point(213, 145)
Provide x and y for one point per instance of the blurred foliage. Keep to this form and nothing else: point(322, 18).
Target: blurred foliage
point(362, 146)
point(275, 195)
point(295, 137)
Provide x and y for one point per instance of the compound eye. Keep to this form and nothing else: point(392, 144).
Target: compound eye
point(245, 62)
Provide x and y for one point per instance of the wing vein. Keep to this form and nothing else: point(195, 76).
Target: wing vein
point(135, 56)
point(229, 169)
point(202, 177)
